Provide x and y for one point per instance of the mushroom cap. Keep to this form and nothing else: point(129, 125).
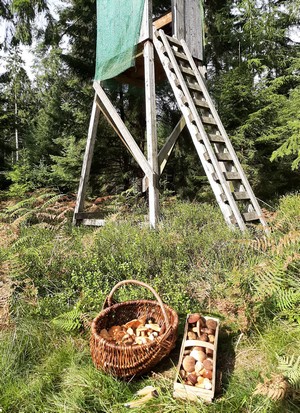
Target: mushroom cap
point(211, 324)
point(208, 365)
point(188, 364)
point(193, 318)
point(198, 355)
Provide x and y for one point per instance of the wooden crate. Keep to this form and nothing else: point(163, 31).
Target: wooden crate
point(184, 391)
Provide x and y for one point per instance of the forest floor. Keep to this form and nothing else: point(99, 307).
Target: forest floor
point(55, 277)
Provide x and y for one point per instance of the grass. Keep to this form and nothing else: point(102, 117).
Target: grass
point(61, 276)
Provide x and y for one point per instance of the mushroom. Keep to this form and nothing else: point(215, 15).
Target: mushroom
point(208, 365)
point(104, 334)
point(192, 336)
point(114, 330)
point(211, 338)
point(133, 324)
point(192, 377)
point(203, 337)
point(198, 367)
point(207, 384)
point(188, 364)
point(211, 324)
point(207, 374)
point(154, 327)
point(193, 318)
point(198, 355)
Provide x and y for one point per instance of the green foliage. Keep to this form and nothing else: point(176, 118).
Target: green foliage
point(70, 321)
point(193, 261)
point(290, 368)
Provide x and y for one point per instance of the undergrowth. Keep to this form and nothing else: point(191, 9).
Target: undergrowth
point(61, 275)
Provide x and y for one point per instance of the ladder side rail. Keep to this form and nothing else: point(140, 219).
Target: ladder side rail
point(225, 136)
point(204, 136)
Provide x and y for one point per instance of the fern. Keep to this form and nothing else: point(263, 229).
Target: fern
point(290, 368)
point(288, 299)
point(70, 321)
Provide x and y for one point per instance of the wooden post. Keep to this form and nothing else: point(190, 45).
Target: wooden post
point(151, 120)
point(87, 160)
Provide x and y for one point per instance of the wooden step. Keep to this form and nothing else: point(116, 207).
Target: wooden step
point(232, 176)
point(223, 156)
point(201, 103)
point(207, 120)
point(193, 86)
point(239, 196)
point(250, 216)
point(180, 56)
point(216, 138)
point(173, 40)
point(187, 71)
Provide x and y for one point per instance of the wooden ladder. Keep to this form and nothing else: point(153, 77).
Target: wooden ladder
point(221, 165)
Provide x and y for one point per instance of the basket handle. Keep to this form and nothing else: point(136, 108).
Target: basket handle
point(109, 301)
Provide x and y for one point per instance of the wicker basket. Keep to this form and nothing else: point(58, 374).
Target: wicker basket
point(128, 361)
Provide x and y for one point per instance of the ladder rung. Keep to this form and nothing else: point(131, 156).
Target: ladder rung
point(180, 56)
point(173, 40)
point(216, 138)
point(224, 156)
point(206, 156)
point(187, 71)
point(223, 197)
point(201, 103)
point(194, 86)
point(208, 120)
point(232, 176)
point(238, 196)
point(250, 216)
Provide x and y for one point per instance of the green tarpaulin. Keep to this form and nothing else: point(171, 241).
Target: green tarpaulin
point(118, 28)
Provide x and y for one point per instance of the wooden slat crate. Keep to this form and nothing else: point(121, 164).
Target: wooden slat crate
point(183, 390)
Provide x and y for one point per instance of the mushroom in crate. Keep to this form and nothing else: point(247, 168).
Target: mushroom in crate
point(196, 371)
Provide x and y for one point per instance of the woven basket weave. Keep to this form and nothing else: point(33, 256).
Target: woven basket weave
point(128, 361)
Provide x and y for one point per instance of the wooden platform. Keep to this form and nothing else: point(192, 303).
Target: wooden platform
point(136, 75)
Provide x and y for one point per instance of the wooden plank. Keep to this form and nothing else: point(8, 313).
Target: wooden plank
point(187, 71)
point(166, 150)
point(232, 176)
point(194, 86)
point(163, 21)
point(238, 196)
point(180, 56)
point(89, 215)
point(201, 103)
point(207, 120)
point(216, 138)
point(178, 19)
point(193, 28)
point(173, 41)
point(122, 130)
point(168, 147)
point(223, 156)
point(250, 216)
point(93, 222)
point(145, 32)
point(87, 160)
point(151, 133)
